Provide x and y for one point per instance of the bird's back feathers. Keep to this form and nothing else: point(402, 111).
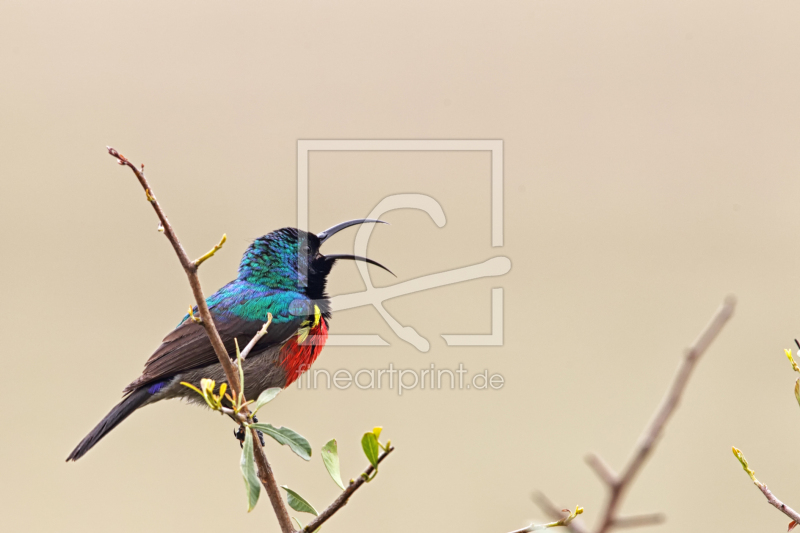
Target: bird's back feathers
point(239, 310)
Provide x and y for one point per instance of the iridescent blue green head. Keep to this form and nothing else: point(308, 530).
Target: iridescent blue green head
point(289, 259)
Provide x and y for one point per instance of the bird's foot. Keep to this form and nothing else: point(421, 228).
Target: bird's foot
point(260, 435)
point(239, 434)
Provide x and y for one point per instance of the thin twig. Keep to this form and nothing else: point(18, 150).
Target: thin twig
point(555, 512)
point(779, 505)
point(341, 501)
point(617, 485)
point(602, 469)
point(563, 521)
point(190, 267)
point(775, 502)
point(236, 417)
point(639, 520)
point(209, 254)
point(257, 337)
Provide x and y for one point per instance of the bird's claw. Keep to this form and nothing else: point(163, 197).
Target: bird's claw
point(260, 435)
point(239, 434)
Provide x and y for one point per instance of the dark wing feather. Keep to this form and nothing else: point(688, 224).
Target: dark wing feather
point(188, 346)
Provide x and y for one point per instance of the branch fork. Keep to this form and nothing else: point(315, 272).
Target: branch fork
point(618, 483)
point(344, 497)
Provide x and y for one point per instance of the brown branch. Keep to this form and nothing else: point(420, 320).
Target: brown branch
point(602, 469)
point(341, 501)
point(617, 485)
point(779, 505)
point(190, 267)
point(639, 520)
point(771, 499)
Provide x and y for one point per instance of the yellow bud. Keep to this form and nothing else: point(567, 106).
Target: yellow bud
point(791, 360)
point(192, 387)
point(740, 456)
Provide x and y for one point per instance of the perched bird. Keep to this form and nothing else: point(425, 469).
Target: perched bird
point(282, 273)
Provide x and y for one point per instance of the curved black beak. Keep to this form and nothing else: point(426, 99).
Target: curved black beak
point(334, 257)
point(328, 233)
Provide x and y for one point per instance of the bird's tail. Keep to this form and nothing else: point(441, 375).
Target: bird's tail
point(119, 413)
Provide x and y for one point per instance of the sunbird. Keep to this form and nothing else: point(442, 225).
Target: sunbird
point(283, 274)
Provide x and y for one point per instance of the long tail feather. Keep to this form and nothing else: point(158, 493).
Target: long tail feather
point(119, 413)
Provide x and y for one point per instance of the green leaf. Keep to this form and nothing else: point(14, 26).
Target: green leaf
point(296, 442)
point(266, 397)
point(299, 524)
point(330, 456)
point(369, 442)
point(248, 467)
point(297, 502)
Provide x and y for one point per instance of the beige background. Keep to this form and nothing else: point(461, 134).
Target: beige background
point(651, 168)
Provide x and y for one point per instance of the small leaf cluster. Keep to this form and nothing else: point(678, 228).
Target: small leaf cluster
point(284, 436)
point(370, 442)
point(372, 446)
point(330, 458)
point(214, 401)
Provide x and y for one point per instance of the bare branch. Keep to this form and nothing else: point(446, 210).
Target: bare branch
point(775, 502)
point(236, 417)
point(341, 501)
point(779, 505)
point(257, 337)
point(190, 267)
point(603, 471)
point(639, 520)
point(654, 429)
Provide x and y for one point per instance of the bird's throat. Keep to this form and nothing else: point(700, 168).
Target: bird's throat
point(300, 352)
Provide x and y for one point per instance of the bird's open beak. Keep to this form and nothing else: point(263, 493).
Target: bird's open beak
point(334, 257)
point(328, 233)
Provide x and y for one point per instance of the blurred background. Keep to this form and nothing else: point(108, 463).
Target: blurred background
point(651, 168)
